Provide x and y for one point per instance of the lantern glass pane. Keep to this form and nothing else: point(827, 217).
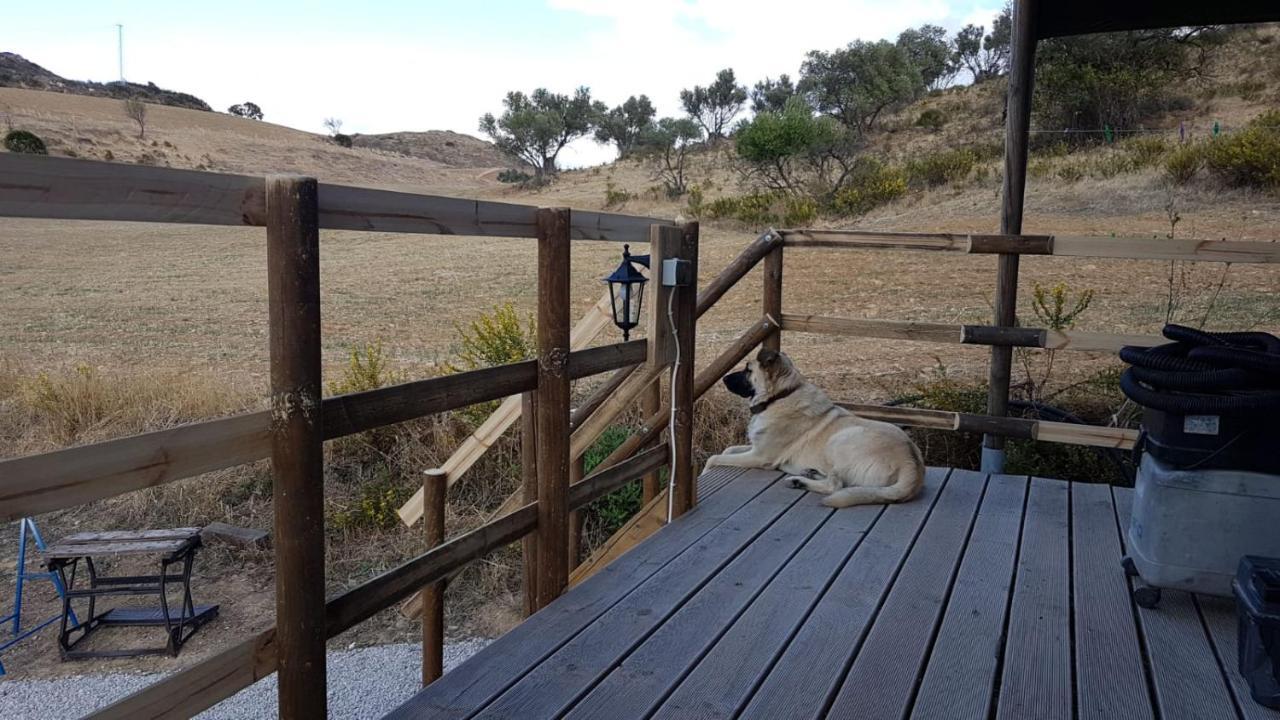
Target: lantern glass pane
point(620, 311)
point(633, 309)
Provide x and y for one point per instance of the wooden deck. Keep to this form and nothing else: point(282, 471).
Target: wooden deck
point(987, 597)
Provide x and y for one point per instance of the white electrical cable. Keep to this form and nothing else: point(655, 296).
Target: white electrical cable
point(671, 422)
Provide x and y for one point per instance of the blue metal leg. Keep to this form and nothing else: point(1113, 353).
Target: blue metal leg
point(22, 575)
point(27, 525)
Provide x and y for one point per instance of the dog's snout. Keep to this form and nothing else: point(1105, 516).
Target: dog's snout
point(739, 383)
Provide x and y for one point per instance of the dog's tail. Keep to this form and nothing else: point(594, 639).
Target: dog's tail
point(905, 485)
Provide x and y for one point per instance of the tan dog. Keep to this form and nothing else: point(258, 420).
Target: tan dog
point(796, 428)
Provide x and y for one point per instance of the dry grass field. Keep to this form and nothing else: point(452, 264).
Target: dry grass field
point(113, 328)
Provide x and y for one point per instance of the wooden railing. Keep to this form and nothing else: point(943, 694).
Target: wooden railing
point(1008, 336)
point(291, 432)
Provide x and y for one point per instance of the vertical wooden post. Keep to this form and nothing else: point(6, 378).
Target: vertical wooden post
point(297, 453)
point(686, 309)
point(772, 305)
point(553, 403)
point(1016, 138)
point(651, 403)
point(576, 468)
point(529, 494)
point(435, 483)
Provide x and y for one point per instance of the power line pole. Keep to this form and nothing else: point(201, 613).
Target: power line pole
point(120, 49)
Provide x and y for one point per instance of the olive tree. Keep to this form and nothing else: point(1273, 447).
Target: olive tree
point(714, 107)
point(534, 128)
point(929, 50)
point(856, 83)
point(624, 125)
point(772, 95)
point(796, 151)
point(668, 143)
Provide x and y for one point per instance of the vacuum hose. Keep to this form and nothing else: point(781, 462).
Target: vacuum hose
point(1205, 372)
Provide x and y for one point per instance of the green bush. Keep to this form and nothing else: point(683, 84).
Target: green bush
point(756, 209)
point(871, 185)
point(613, 196)
point(1071, 172)
point(496, 337)
point(612, 511)
point(941, 168)
point(694, 203)
point(343, 140)
point(1146, 151)
point(1184, 162)
point(1250, 157)
point(514, 176)
point(22, 141)
point(799, 211)
point(366, 369)
point(932, 119)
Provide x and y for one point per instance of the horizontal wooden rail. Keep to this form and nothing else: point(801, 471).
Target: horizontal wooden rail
point(705, 379)
point(968, 334)
point(65, 478)
point(1042, 430)
point(190, 691)
point(735, 270)
point(603, 482)
point(70, 189)
point(1129, 248)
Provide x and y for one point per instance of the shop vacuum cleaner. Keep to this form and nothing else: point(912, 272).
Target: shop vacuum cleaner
point(1206, 506)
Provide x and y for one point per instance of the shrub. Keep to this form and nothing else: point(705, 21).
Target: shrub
point(375, 506)
point(514, 176)
point(366, 369)
point(932, 119)
point(1071, 172)
point(343, 140)
point(694, 205)
point(1146, 151)
point(755, 209)
point(108, 156)
point(1184, 162)
point(614, 197)
point(871, 185)
point(22, 141)
point(799, 211)
point(496, 337)
point(940, 168)
point(1250, 157)
point(1113, 164)
point(612, 511)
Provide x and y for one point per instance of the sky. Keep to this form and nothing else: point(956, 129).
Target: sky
point(384, 66)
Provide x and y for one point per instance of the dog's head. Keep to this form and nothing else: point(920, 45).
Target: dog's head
point(767, 374)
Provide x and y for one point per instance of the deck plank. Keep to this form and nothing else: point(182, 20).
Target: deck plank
point(1188, 681)
point(1110, 681)
point(722, 682)
point(1220, 618)
point(495, 668)
point(961, 672)
point(882, 680)
point(556, 682)
point(645, 676)
point(1036, 681)
point(814, 663)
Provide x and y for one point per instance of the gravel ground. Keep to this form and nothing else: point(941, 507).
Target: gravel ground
point(363, 683)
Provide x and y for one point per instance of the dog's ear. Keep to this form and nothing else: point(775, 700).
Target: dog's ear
point(768, 358)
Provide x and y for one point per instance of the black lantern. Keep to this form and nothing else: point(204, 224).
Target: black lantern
point(626, 290)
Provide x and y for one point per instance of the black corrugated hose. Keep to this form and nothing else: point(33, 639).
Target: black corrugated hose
point(1205, 372)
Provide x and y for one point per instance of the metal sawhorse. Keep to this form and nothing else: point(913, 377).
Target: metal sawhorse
point(26, 527)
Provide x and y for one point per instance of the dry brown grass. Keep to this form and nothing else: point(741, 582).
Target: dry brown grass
point(172, 319)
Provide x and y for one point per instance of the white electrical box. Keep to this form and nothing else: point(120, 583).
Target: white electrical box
point(677, 272)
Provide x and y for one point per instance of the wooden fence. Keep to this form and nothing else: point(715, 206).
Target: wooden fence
point(294, 210)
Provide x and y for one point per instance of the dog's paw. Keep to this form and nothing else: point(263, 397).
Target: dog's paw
point(795, 483)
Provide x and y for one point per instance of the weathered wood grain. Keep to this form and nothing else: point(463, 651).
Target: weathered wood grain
point(500, 665)
point(893, 655)
point(725, 677)
point(807, 674)
point(1036, 682)
point(960, 675)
